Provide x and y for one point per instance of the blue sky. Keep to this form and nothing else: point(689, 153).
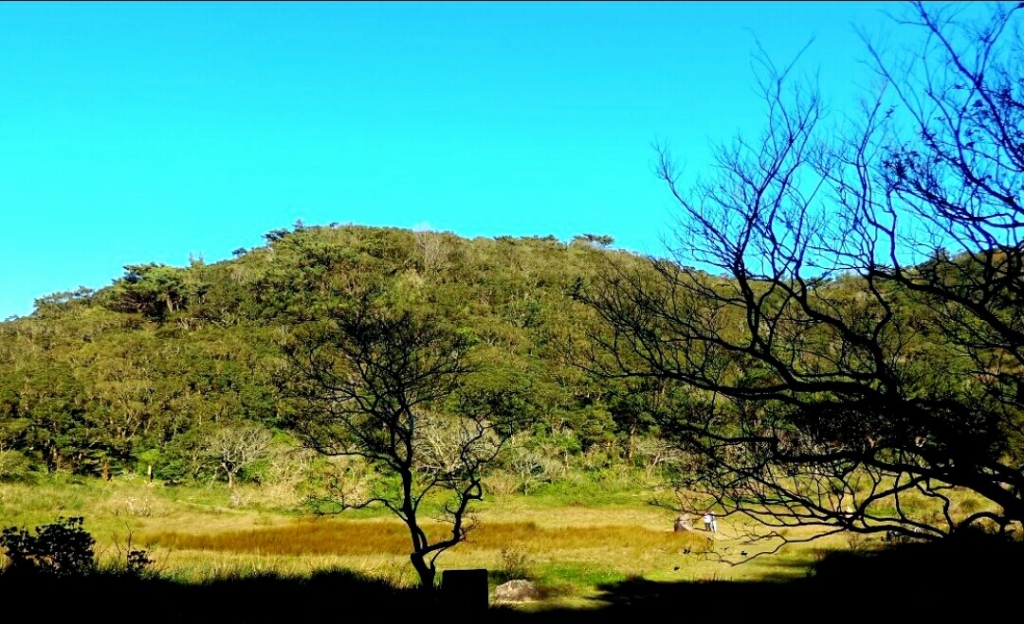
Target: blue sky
point(134, 133)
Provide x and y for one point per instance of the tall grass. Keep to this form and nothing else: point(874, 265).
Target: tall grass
point(365, 537)
point(590, 530)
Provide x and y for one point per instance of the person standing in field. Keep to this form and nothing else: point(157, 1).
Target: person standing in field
point(708, 520)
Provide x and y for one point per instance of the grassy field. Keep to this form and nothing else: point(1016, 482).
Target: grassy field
point(597, 552)
point(570, 541)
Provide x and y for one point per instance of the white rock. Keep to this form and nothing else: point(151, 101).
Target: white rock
point(517, 590)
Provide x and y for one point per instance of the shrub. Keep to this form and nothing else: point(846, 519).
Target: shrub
point(137, 562)
point(14, 466)
point(130, 561)
point(515, 565)
point(62, 548)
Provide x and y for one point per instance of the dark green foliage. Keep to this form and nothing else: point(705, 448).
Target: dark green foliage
point(153, 290)
point(48, 416)
point(60, 549)
point(15, 466)
point(138, 373)
point(137, 562)
point(64, 549)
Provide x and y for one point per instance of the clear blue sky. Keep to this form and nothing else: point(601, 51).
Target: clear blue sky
point(133, 133)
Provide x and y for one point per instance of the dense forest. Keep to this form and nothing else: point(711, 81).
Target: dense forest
point(172, 369)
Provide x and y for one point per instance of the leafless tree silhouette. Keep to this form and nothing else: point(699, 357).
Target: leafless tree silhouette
point(841, 314)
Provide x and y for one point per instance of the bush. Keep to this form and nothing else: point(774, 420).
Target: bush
point(515, 565)
point(136, 562)
point(62, 549)
point(14, 466)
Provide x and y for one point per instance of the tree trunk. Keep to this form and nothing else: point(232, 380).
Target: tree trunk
point(53, 460)
point(425, 571)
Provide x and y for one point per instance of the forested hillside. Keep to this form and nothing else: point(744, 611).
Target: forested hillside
point(174, 367)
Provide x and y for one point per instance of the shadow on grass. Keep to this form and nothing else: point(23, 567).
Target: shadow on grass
point(327, 596)
point(909, 581)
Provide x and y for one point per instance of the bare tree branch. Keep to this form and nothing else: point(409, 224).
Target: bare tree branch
point(841, 320)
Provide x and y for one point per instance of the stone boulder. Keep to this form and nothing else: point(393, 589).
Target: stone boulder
point(517, 590)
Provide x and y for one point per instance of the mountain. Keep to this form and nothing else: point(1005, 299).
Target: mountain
point(146, 371)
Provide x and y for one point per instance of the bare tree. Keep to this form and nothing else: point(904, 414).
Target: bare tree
point(379, 381)
point(237, 446)
point(842, 306)
point(433, 249)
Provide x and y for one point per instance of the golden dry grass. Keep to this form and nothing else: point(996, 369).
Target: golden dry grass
point(198, 534)
point(571, 557)
point(368, 537)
